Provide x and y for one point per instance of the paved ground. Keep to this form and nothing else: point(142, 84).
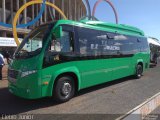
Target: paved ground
point(114, 98)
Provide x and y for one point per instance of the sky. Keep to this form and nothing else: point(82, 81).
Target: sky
point(143, 14)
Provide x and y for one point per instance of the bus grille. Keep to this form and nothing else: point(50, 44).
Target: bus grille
point(13, 73)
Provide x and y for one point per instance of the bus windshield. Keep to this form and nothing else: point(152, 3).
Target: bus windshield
point(33, 43)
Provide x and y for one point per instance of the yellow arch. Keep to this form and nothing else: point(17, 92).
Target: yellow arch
point(25, 6)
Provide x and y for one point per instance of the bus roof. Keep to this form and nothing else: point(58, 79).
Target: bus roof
point(110, 27)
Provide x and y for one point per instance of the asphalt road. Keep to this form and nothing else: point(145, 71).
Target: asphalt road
point(110, 99)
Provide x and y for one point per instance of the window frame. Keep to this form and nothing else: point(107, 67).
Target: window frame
point(71, 35)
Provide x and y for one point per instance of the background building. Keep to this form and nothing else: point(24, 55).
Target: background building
point(73, 9)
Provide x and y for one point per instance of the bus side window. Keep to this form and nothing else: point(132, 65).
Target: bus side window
point(57, 48)
point(83, 46)
point(63, 44)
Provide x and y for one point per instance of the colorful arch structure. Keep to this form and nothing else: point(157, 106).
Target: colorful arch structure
point(88, 8)
point(109, 2)
point(25, 6)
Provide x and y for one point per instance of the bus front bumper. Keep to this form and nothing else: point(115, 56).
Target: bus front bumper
point(25, 90)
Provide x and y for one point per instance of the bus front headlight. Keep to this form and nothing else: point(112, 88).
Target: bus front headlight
point(26, 73)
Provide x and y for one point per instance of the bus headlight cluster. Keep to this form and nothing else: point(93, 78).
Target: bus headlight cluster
point(26, 73)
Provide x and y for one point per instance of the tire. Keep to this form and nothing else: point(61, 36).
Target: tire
point(64, 89)
point(139, 71)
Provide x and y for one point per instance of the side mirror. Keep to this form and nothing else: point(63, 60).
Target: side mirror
point(58, 32)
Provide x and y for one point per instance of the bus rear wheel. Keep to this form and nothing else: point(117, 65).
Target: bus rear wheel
point(64, 89)
point(139, 71)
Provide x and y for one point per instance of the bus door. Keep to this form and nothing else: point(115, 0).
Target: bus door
point(60, 50)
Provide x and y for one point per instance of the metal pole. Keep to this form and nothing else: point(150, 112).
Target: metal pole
point(53, 1)
point(69, 9)
point(37, 14)
point(41, 20)
point(45, 15)
point(51, 11)
point(4, 11)
point(78, 12)
point(60, 6)
point(3, 15)
point(75, 12)
point(63, 5)
point(33, 13)
point(25, 13)
point(17, 8)
point(12, 12)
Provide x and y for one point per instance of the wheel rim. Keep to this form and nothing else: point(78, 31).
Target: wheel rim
point(66, 89)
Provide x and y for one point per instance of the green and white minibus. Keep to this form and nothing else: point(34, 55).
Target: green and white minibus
point(60, 58)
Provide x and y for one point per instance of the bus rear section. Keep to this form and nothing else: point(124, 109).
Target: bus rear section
point(154, 50)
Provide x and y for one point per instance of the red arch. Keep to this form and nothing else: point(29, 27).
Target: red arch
point(97, 3)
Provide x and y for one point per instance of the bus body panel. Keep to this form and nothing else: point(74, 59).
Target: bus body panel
point(104, 70)
point(122, 67)
point(94, 71)
point(51, 73)
point(29, 86)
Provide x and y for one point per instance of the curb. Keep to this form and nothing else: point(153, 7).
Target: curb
point(141, 111)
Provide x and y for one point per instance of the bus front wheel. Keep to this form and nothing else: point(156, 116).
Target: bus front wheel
point(139, 71)
point(64, 89)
